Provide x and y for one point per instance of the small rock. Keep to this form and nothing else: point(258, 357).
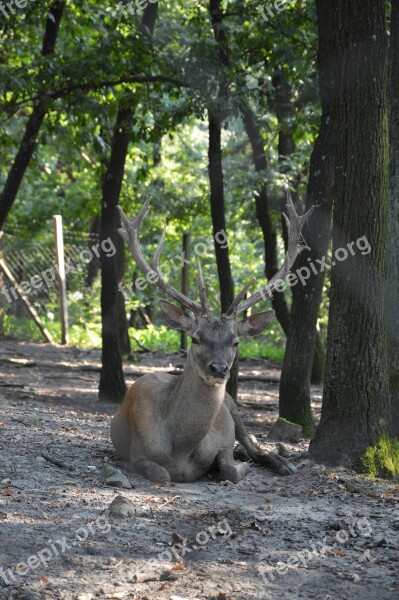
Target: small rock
point(40, 459)
point(85, 596)
point(119, 480)
point(121, 507)
point(284, 431)
point(90, 468)
point(109, 471)
point(282, 450)
point(5, 481)
point(115, 477)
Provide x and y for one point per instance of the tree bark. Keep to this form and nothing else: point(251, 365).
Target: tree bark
point(300, 349)
point(112, 384)
point(216, 178)
point(29, 139)
point(285, 113)
point(393, 221)
point(262, 212)
point(356, 408)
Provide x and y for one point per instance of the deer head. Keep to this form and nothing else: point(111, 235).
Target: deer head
point(214, 340)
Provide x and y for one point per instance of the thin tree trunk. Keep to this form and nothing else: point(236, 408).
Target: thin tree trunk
point(356, 408)
point(285, 113)
point(112, 384)
point(262, 212)
point(393, 221)
point(300, 349)
point(216, 178)
point(29, 139)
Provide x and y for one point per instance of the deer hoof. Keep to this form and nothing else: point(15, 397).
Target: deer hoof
point(158, 473)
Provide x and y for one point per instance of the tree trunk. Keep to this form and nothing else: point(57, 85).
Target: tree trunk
point(216, 179)
point(356, 408)
point(285, 113)
point(112, 384)
point(29, 139)
point(300, 349)
point(262, 212)
point(393, 221)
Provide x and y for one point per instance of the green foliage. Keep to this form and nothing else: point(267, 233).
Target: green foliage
point(382, 459)
point(98, 46)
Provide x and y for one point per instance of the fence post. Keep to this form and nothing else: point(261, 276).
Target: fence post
point(61, 279)
point(185, 282)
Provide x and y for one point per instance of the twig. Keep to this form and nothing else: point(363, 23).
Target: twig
point(57, 463)
point(169, 501)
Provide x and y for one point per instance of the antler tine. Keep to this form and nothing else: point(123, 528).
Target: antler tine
point(295, 224)
point(158, 251)
point(131, 235)
point(202, 289)
point(239, 298)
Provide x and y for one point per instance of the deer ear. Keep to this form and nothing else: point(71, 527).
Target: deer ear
point(254, 324)
point(175, 317)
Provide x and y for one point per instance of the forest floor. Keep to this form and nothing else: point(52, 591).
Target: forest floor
point(322, 533)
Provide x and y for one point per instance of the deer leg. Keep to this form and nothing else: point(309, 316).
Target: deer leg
point(277, 463)
point(150, 469)
point(229, 469)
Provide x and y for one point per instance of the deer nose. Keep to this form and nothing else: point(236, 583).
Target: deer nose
point(218, 369)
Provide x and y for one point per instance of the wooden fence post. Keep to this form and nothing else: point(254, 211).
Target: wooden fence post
point(185, 282)
point(61, 278)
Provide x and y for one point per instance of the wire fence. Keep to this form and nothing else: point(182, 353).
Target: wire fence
point(32, 264)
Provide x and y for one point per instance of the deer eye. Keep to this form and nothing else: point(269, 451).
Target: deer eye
point(194, 340)
point(235, 344)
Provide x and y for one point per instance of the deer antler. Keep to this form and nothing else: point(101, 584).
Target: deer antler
point(295, 224)
point(130, 233)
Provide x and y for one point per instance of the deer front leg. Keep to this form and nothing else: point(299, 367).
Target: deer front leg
point(229, 469)
point(150, 469)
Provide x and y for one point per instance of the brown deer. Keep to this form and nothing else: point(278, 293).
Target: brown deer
point(177, 427)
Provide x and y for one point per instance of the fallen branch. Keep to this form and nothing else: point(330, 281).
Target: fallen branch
point(57, 463)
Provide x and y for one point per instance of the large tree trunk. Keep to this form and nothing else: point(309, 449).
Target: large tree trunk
point(216, 179)
point(112, 384)
point(393, 221)
point(356, 408)
point(29, 139)
point(262, 212)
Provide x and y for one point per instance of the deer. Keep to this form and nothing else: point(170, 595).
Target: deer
point(179, 427)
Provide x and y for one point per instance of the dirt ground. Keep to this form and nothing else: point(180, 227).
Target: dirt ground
point(323, 534)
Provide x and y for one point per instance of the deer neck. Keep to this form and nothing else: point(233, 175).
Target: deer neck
point(195, 404)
